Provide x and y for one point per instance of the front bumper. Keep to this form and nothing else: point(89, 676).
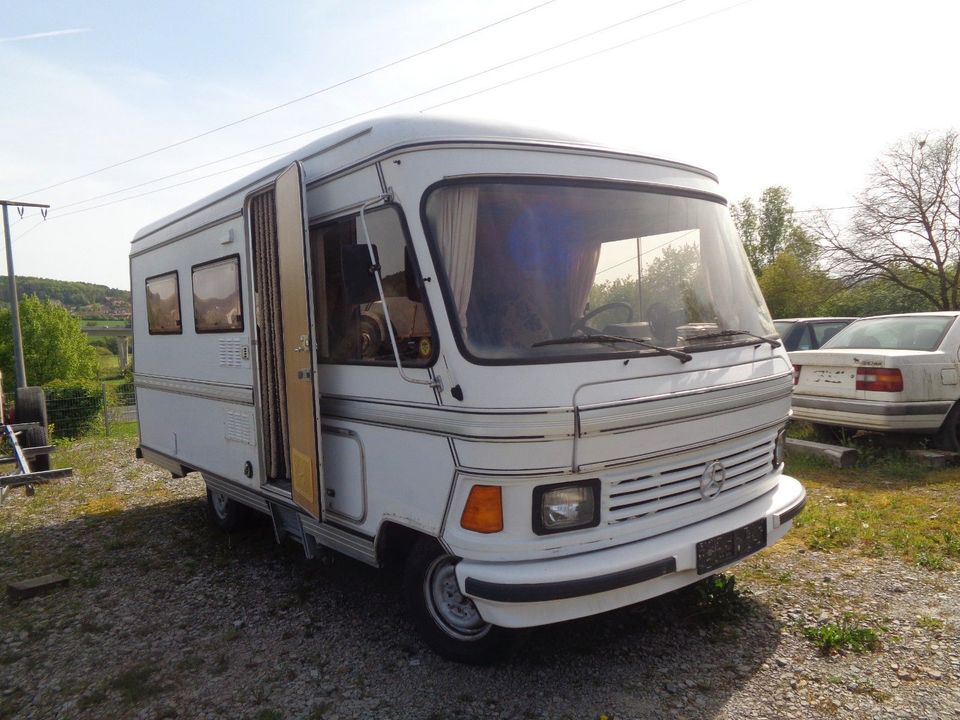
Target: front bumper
point(872, 414)
point(530, 593)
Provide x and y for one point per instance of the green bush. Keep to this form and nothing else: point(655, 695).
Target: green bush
point(74, 408)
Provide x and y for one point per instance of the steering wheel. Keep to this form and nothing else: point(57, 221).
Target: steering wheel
point(581, 324)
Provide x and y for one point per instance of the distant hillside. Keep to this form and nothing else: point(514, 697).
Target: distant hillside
point(84, 300)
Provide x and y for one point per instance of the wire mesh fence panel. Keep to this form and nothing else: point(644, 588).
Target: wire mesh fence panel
point(75, 410)
point(120, 408)
point(79, 409)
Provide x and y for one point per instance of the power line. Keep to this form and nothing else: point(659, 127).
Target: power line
point(588, 56)
point(380, 107)
point(170, 187)
point(290, 102)
point(841, 207)
point(28, 230)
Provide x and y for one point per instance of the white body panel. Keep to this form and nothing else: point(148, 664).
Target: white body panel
point(403, 453)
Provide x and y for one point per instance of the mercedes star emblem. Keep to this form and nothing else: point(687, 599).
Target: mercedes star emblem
point(711, 482)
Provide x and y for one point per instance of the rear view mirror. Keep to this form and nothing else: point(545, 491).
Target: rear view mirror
point(359, 281)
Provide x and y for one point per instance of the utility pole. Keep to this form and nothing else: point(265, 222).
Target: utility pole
point(12, 281)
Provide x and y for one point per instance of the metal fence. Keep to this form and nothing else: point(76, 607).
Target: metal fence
point(111, 411)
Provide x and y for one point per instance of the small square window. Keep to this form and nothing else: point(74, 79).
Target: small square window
point(163, 304)
point(216, 296)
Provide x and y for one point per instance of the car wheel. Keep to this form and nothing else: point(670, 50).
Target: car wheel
point(948, 437)
point(447, 620)
point(225, 513)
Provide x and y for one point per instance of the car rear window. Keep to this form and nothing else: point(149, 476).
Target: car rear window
point(893, 333)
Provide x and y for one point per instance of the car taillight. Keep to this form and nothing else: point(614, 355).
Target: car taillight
point(796, 374)
point(879, 379)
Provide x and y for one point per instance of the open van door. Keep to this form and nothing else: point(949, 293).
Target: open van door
point(306, 471)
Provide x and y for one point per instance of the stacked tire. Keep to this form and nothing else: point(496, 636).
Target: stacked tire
point(31, 407)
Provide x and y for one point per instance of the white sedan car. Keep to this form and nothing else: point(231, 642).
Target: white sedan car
point(890, 373)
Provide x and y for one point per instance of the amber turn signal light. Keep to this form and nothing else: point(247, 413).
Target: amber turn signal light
point(483, 512)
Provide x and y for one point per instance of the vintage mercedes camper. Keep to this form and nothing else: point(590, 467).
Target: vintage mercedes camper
point(536, 370)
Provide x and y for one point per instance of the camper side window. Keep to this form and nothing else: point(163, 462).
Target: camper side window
point(350, 317)
point(216, 296)
point(163, 304)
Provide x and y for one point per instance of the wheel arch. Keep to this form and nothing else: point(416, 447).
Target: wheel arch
point(394, 542)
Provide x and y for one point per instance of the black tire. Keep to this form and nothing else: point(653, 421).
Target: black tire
point(948, 436)
point(36, 436)
point(447, 621)
point(225, 513)
point(31, 406)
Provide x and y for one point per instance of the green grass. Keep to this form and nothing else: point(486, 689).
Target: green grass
point(104, 323)
point(889, 505)
point(109, 364)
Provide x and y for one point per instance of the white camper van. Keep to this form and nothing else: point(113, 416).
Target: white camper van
point(536, 370)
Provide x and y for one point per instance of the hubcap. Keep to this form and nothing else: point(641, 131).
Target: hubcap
point(220, 504)
point(451, 610)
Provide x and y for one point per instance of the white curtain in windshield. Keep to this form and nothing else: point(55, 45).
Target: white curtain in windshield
point(457, 237)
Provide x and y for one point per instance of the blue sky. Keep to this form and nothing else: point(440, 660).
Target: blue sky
point(803, 94)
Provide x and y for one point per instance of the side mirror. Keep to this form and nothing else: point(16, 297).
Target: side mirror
point(357, 273)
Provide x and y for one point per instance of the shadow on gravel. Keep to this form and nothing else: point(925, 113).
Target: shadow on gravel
point(166, 617)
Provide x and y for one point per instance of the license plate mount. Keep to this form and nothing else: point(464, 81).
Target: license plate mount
point(727, 547)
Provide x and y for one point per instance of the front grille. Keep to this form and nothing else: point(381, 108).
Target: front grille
point(670, 487)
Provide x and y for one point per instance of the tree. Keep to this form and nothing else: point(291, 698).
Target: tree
point(770, 229)
point(878, 297)
point(54, 346)
point(794, 289)
point(906, 228)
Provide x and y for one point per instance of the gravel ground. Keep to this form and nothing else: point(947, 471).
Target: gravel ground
point(167, 618)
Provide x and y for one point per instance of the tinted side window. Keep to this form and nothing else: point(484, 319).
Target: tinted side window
point(216, 296)
point(804, 342)
point(350, 317)
point(163, 304)
point(824, 331)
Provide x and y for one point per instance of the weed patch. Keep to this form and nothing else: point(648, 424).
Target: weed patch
point(718, 598)
point(845, 634)
point(268, 715)
point(136, 684)
point(931, 560)
point(930, 623)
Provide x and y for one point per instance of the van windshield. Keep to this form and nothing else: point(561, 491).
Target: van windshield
point(533, 270)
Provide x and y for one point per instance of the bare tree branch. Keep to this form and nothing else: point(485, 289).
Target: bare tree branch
point(906, 229)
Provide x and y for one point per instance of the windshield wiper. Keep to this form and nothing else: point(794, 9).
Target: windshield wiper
point(731, 333)
point(575, 339)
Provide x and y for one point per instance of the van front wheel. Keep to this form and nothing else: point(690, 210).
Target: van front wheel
point(447, 620)
point(226, 514)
